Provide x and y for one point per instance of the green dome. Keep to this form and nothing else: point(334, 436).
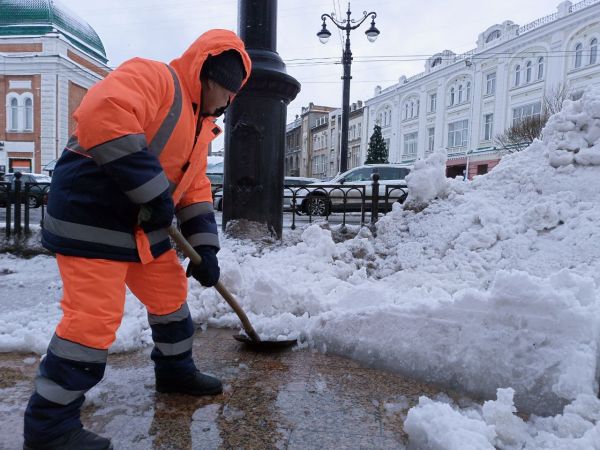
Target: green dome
point(39, 17)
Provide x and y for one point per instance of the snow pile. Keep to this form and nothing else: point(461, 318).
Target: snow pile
point(573, 134)
point(435, 425)
point(427, 180)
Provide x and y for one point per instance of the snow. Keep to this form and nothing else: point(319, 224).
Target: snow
point(490, 287)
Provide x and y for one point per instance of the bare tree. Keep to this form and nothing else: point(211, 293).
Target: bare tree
point(523, 132)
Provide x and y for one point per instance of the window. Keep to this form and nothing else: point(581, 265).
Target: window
point(406, 111)
point(517, 75)
point(528, 70)
point(430, 139)
point(393, 173)
point(412, 109)
point(458, 133)
point(452, 97)
point(482, 169)
point(436, 62)
point(525, 112)
point(593, 51)
point(460, 93)
point(410, 144)
point(387, 144)
point(359, 175)
point(578, 55)
point(13, 115)
point(488, 130)
point(359, 129)
point(468, 90)
point(492, 36)
point(432, 102)
point(540, 68)
point(28, 114)
point(490, 83)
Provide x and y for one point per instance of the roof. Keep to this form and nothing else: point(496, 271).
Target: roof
point(40, 17)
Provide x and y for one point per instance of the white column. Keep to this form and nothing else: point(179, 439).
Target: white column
point(476, 94)
point(501, 120)
point(440, 115)
point(422, 136)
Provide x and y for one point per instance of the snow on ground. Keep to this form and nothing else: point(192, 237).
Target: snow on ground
point(492, 285)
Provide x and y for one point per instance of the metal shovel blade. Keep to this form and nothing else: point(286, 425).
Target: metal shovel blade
point(265, 346)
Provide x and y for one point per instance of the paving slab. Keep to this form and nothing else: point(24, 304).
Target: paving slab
point(295, 399)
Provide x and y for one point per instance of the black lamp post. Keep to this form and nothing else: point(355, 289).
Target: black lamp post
point(347, 25)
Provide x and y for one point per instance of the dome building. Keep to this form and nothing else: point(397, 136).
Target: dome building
point(49, 58)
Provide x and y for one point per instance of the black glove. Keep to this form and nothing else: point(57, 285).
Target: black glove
point(208, 272)
point(157, 213)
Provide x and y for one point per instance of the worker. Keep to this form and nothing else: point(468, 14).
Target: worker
point(141, 143)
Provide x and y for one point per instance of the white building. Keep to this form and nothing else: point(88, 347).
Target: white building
point(49, 59)
point(461, 102)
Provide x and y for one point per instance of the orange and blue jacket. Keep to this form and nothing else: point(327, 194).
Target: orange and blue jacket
point(138, 133)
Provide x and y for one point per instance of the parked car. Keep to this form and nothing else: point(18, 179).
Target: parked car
point(37, 194)
point(292, 182)
point(319, 199)
point(214, 172)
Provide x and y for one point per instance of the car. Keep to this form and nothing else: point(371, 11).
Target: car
point(290, 184)
point(38, 190)
point(320, 199)
point(214, 172)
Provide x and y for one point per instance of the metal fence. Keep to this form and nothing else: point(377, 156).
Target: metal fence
point(18, 199)
point(333, 202)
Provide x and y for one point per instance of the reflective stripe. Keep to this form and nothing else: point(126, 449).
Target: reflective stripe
point(88, 233)
point(149, 190)
point(175, 348)
point(157, 236)
point(166, 128)
point(118, 148)
point(74, 146)
point(55, 393)
point(193, 210)
point(76, 352)
point(181, 314)
point(204, 239)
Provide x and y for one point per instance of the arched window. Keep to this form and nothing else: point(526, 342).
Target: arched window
point(412, 109)
point(13, 114)
point(406, 111)
point(528, 70)
point(493, 35)
point(436, 62)
point(418, 108)
point(593, 51)
point(28, 114)
point(460, 93)
point(517, 75)
point(451, 96)
point(468, 90)
point(578, 55)
point(540, 68)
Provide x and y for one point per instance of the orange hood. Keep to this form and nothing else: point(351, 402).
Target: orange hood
point(212, 42)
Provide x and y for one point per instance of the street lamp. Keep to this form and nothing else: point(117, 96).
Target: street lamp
point(324, 34)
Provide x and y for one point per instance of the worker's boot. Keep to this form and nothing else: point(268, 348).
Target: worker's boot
point(195, 383)
point(76, 439)
point(172, 355)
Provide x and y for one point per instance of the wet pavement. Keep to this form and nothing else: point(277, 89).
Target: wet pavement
point(296, 399)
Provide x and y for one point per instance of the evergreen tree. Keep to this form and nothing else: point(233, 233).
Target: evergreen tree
point(378, 151)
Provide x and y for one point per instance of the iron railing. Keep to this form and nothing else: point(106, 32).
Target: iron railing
point(17, 200)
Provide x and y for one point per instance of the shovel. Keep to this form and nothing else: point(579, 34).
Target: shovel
point(252, 339)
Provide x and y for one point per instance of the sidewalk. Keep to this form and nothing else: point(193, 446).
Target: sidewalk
point(292, 400)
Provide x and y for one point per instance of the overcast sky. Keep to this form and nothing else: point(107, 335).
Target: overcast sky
point(410, 31)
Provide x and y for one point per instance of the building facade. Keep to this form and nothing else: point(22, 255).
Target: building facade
point(461, 102)
point(299, 140)
point(49, 59)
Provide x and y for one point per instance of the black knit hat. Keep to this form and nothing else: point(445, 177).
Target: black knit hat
point(226, 68)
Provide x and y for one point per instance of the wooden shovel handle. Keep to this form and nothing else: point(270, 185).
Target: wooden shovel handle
point(189, 251)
